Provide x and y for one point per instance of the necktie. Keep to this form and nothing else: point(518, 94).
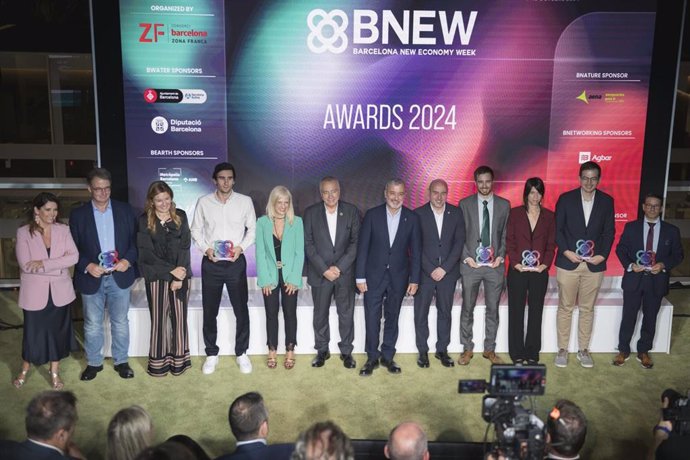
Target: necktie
point(650, 237)
point(486, 237)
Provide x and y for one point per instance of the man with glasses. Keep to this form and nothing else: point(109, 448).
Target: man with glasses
point(649, 248)
point(105, 232)
point(331, 228)
point(585, 228)
point(224, 226)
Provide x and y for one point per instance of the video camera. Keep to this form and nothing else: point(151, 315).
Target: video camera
point(677, 412)
point(519, 433)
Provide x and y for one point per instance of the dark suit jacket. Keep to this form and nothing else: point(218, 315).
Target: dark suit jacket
point(321, 253)
point(469, 208)
point(27, 450)
point(375, 255)
point(83, 228)
point(521, 237)
point(445, 251)
point(570, 227)
point(260, 451)
point(669, 251)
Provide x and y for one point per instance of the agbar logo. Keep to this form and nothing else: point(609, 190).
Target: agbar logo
point(148, 35)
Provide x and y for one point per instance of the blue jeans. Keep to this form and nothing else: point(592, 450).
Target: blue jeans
point(117, 301)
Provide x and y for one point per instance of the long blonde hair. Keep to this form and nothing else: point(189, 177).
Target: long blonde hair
point(280, 191)
point(155, 188)
point(129, 432)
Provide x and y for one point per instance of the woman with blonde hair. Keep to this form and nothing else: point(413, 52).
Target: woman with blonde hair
point(163, 241)
point(130, 431)
point(279, 262)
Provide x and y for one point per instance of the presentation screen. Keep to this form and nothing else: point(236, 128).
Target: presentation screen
point(291, 91)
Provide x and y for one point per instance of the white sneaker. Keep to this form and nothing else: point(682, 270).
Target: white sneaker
point(209, 365)
point(244, 363)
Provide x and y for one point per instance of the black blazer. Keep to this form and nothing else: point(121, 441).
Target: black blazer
point(570, 227)
point(320, 251)
point(669, 251)
point(27, 450)
point(83, 228)
point(260, 451)
point(445, 251)
point(375, 254)
point(161, 252)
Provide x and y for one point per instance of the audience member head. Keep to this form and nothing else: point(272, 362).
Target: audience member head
point(248, 417)
point(323, 441)
point(533, 183)
point(190, 444)
point(51, 418)
point(169, 450)
point(130, 431)
point(566, 428)
point(407, 441)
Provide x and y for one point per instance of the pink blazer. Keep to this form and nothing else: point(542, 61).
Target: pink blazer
point(55, 275)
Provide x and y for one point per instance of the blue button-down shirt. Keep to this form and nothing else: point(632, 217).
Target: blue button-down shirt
point(105, 227)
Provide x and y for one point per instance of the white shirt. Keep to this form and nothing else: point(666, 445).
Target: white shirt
point(332, 221)
point(234, 220)
point(393, 221)
point(645, 232)
point(438, 217)
point(587, 206)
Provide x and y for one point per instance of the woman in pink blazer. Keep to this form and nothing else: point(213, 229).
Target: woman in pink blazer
point(45, 252)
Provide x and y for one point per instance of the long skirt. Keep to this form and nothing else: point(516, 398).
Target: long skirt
point(48, 333)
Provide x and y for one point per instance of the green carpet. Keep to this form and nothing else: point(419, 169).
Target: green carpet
point(621, 403)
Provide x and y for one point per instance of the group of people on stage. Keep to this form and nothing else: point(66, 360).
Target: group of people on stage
point(392, 252)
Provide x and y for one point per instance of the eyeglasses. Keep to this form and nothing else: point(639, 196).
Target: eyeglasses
point(652, 206)
point(589, 179)
point(101, 189)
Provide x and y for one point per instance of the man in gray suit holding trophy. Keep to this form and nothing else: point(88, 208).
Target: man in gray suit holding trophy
point(486, 217)
point(331, 229)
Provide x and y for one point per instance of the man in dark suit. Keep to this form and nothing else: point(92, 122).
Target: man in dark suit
point(50, 421)
point(443, 238)
point(104, 231)
point(331, 229)
point(248, 419)
point(483, 256)
point(585, 228)
point(388, 267)
point(649, 248)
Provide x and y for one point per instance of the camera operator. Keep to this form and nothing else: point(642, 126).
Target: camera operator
point(667, 444)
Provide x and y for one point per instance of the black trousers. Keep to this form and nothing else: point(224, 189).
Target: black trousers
point(232, 275)
point(444, 291)
point(632, 300)
point(343, 290)
point(289, 303)
point(529, 286)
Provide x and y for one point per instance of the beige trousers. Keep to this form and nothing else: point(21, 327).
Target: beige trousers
point(579, 286)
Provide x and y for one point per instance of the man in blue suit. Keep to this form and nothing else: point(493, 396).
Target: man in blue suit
point(105, 232)
point(585, 228)
point(388, 267)
point(248, 419)
point(649, 248)
point(443, 238)
point(51, 417)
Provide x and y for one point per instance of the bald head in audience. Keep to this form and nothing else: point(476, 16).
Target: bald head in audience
point(407, 441)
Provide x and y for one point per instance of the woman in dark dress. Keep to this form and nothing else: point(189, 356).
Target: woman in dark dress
point(163, 241)
point(45, 252)
point(530, 244)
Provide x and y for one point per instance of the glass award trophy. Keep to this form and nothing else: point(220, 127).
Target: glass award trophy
point(485, 256)
point(530, 260)
point(584, 249)
point(223, 249)
point(646, 259)
point(108, 260)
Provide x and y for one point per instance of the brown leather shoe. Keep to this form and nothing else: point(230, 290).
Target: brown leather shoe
point(620, 359)
point(465, 357)
point(491, 356)
point(645, 360)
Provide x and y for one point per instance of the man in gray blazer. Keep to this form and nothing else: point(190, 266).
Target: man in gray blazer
point(331, 229)
point(443, 239)
point(486, 217)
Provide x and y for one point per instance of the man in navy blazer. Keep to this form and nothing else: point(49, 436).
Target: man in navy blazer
point(248, 418)
point(585, 228)
point(99, 227)
point(388, 267)
point(646, 276)
point(443, 237)
point(331, 229)
point(51, 417)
